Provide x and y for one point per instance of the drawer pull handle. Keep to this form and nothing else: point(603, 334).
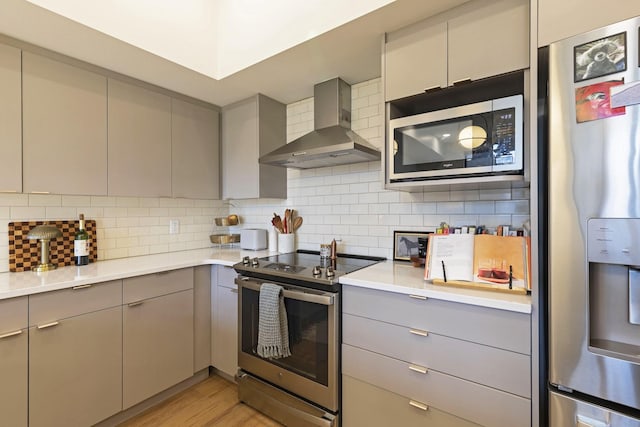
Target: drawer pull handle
point(11, 334)
point(235, 291)
point(419, 332)
point(421, 297)
point(75, 288)
point(418, 369)
point(135, 304)
point(48, 325)
point(418, 405)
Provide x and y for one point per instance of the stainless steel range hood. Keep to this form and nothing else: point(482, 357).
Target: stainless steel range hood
point(332, 142)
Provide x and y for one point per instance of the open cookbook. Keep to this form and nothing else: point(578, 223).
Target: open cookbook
point(480, 260)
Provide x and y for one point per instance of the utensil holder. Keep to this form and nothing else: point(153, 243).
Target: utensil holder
point(286, 243)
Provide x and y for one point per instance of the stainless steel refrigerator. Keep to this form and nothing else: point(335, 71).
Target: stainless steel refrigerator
point(594, 228)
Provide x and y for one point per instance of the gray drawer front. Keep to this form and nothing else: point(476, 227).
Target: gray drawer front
point(55, 305)
point(367, 405)
point(153, 285)
point(501, 369)
point(498, 328)
point(474, 402)
point(13, 314)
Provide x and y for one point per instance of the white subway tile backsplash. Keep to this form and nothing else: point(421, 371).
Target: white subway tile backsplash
point(45, 200)
point(24, 213)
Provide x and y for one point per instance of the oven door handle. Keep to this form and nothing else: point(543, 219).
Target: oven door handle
point(288, 293)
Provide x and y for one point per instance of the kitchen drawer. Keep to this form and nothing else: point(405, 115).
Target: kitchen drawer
point(474, 402)
point(227, 277)
point(366, 405)
point(13, 314)
point(498, 328)
point(501, 369)
point(54, 305)
point(153, 285)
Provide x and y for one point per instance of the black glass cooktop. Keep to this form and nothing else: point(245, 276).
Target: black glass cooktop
point(305, 268)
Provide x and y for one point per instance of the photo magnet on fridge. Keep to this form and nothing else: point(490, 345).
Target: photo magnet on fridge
point(600, 57)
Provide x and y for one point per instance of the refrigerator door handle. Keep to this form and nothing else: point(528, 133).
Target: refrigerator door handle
point(634, 296)
point(582, 421)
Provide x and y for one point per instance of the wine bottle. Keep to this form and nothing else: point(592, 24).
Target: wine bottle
point(81, 244)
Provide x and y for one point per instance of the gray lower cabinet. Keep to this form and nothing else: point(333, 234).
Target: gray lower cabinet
point(75, 355)
point(158, 338)
point(10, 119)
point(14, 365)
point(202, 317)
point(451, 364)
point(225, 320)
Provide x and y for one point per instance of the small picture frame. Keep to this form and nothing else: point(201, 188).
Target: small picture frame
point(600, 57)
point(408, 244)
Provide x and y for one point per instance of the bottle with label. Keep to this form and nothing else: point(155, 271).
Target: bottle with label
point(81, 244)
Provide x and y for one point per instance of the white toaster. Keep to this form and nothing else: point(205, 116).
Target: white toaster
point(254, 239)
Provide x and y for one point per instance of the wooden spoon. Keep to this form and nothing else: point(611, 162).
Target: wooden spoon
point(297, 223)
point(277, 223)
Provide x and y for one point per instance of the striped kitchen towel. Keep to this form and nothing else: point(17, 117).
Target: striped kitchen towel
point(273, 332)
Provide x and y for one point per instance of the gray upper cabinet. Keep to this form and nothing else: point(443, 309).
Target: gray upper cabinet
point(10, 120)
point(487, 39)
point(139, 141)
point(418, 47)
point(453, 47)
point(251, 128)
point(65, 128)
point(195, 151)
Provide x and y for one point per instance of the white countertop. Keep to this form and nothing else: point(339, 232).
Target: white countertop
point(404, 278)
point(29, 282)
point(386, 276)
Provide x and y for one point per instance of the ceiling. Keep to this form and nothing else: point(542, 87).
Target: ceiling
point(350, 51)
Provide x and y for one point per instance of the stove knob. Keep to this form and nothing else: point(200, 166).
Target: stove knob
point(330, 273)
point(316, 271)
point(245, 260)
point(254, 262)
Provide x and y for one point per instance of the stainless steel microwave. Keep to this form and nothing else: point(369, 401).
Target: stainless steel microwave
point(481, 139)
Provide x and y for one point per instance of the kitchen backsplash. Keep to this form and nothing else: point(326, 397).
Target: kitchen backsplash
point(347, 202)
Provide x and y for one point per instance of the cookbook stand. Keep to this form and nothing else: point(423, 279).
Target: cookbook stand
point(480, 286)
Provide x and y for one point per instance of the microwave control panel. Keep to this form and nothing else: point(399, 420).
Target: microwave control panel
point(504, 144)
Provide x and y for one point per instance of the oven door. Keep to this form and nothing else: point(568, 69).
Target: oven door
point(481, 139)
point(311, 371)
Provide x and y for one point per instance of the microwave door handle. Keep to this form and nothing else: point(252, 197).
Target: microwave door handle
point(296, 295)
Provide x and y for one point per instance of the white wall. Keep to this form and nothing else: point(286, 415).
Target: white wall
point(349, 202)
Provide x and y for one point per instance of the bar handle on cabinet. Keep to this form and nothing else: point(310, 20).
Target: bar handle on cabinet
point(420, 297)
point(48, 325)
point(418, 369)
point(235, 291)
point(462, 81)
point(76, 288)
point(419, 405)
point(135, 303)
point(419, 332)
point(40, 192)
point(10, 334)
point(582, 421)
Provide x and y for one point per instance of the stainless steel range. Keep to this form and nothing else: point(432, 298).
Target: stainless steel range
point(302, 389)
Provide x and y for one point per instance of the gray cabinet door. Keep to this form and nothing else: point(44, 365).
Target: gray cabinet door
point(75, 370)
point(415, 59)
point(487, 39)
point(139, 141)
point(225, 348)
point(202, 317)
point(10, 120)
point(251, 128)
point(195, 151)
point(65, 128)
point(157, 345)
point(14, 362)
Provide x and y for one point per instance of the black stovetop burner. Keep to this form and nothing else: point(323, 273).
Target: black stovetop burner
point(305, 268)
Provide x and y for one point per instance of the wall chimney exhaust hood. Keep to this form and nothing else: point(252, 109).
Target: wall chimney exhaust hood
point(332, 142)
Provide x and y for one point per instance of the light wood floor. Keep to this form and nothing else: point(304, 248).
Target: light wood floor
point(213, 402)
